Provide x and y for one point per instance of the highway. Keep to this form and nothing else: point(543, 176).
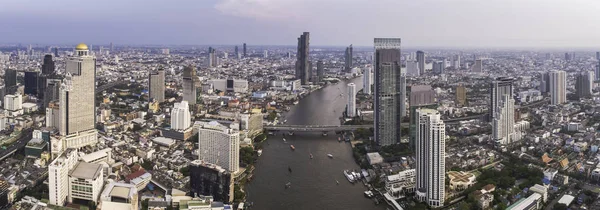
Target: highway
point(110, 85)
point(15, 146)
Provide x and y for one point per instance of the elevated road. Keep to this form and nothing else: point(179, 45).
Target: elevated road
point(315, 128)
point(15, 146)
point(110, 85)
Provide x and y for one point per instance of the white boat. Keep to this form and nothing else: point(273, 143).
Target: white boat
point(356, 175)
point(369, 194)
point(330, 155)
point(283, 139)
point(259, 152)
point(349, 176)
point(295, 102)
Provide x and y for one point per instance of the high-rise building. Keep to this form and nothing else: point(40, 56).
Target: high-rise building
point(48, 65)
point(503, 131)
point(266, 54)
point(544, 83)
point(4, 189)
point(213, 61)
point(367, 75)
point(498, 88)
point(180, 116)
point(558, 87)
point(421, 62)
point(598, 56)
point(597, 72)
point(191, 84)
point(244, 50)
point(438, 67)
point(156, 85)
point(457, 62)
point(302, 62)
point(412, 68)
point(77, 107)
point(52, 91)
point(387, 91)
point(58, 176)
point(478, 66)
point(348, 58)
point(568, 57)
point(211, 180)
point(56, 52)
point(10, 78)
point(320, 71)
point(351, 104)
point(421, 95)
point(31, 82)
point(461, 95)
point(219, 145)
point(236, 51)
point(430, 157)
point(85, 182)
point(112, 49)
point(584, 84)
point(13, 103)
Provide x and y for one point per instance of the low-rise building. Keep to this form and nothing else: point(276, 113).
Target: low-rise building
point(460, 180)
point(403, 182)
point(119, 196)
point(85, 182)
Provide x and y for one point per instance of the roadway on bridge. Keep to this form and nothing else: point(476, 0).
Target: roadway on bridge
point(20, 143)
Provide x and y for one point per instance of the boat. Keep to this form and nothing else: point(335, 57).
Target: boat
point(288, 185)
point(337, 182)
point(259, 152)
point(369, 194)
point(324, 134)
point(349, 176)
point(311, 156)
point(330, 155)
point(285, 121)
point(295, 102)
point(356, 175)
point(290, 169)
point(339, 139)
point(283, 139)
point(292, 146)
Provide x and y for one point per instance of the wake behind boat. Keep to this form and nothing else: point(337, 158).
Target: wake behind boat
point(330, 155)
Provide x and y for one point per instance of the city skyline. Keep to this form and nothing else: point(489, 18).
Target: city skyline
point(466, 24)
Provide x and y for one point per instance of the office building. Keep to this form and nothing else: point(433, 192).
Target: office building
point(461, 95)
point(320, 71)
point(4, 190)
point(558, 87)
point(10, 78)
point(236, 51)
point(598, 56)
point(544, 83)
point(191, 85)
point(230, 85)
point(266, 54)
point(31, 82)
point(503, 131)
point(584, 84)
point(498, 88)
point(421, 62)
point(112, 49)
point(478, 66)
point(220, 145)
point(85, 182)
point(302, 59)
point(56, 52)
point(568, 57)
point(367, 77)
point(430, 157)
point(438, 67)
point(351, 104)
point(213, 61)
point(58, 177)
point(412, 68)
point(52, 91)
point(348, 58)
point(48, 65)
point(211, 180)
point(421, 95)
point(13, 103)
point(117, 196)
point(597, 72)
point(180, 116)
point(244, 50)
point(457, 62)
point(388, 89)
point(156, 85)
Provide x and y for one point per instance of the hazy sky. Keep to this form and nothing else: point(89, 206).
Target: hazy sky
point(420, 23)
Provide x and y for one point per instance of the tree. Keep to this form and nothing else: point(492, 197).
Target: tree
point(185, 171)
point(272, 116)
point(560, 206)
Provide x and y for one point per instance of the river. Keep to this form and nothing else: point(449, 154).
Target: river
point(313, 181)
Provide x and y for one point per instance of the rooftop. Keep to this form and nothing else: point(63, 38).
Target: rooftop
point(85, 170)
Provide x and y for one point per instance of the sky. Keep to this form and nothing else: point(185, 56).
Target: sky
point(420, 23)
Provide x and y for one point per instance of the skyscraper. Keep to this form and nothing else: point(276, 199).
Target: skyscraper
point(558, 87)
point(421, 95)
point(544, 82)
point(111, 47)
point(58, 177)
point(598, 56)
point(10, 78)
point(351, 104)
point(438, 67)
point(236, 51)
point(219, 145)
point(412, 68)
point(348, 58)
point(56, 52)
point(430, 157)
point(77, 107)
point(457, 62)
point(156, 85)
point(584, 84)
point(478, 66)
point(367, 75)
point(302, 62)
point(48, 65)
point(31, 82)
point(190, 85)
point(180, 116)
point(387, 91)
point(421, 62)
point(461, 95)
point(211, 180)
point(213, 61)
point(498, 88)
point(320, 71)
point(597, 72)
point(503, 131)
point(244, 50)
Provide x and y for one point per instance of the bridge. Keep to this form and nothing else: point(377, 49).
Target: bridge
point(110, 85)
point(21, 141)
point(315, 128)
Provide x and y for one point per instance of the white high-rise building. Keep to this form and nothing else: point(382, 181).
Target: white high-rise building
point(13, 102)
point(457, 62)
point(367, 75)
point(412, 68)
point(503, 123)
point(180, 116)
point(86, 181)
point(351, 104)
point(58, 177)
point(558, 87)
point(219, 145)
point(430, 154)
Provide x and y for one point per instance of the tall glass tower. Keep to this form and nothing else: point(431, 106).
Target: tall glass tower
point(388, 91)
